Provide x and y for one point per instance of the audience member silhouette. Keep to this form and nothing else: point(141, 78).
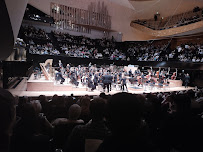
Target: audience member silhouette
point(181, 130)
point(26, 135)
point(64, 126)
point(84, 103)
point(94, 129)
point(7, 118)
point(124, 117)
point(72, 116)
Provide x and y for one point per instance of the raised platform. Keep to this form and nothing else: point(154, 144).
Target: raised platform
point(34, 88)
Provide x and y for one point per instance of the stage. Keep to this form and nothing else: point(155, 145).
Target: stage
point(34, 88)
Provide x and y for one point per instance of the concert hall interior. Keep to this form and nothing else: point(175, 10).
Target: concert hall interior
point(101, 75)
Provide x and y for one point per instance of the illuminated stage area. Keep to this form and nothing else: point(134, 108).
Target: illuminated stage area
point(34, 88)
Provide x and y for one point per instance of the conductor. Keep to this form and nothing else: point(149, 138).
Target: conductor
point(187, 80)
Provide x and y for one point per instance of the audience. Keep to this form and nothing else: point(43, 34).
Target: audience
point(94, 129)
point(7, 118)
point(181, 130)
point(82, 47)
point(57, 43)
point(28, 134)
point(166, 121)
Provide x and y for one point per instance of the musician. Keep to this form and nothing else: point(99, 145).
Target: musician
point(187, 80)
point(73, 78)
point(37, 72)
point(130, 73)
point(110, 79)
point(68, 70)
point(137, 72)
point(90, 84)
point(142, 79)
point(120, 75)
point(61, 67)
point(152, 81)
point(167, 75)
point(106, 82)
point(90, 64)
point(59, 76)
point(115, 79)
point(123, 84)
point(95, 80)
point(173, 77)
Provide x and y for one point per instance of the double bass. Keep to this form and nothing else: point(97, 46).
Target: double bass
point(173, 77)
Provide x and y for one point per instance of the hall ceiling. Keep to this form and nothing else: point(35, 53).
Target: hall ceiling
point(145, 8)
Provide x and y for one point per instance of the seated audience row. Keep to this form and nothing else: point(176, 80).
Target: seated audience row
point(82, 47)
point(120, 122)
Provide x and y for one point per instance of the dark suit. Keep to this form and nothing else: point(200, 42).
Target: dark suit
point(123, 84)
point(59, 77)
point(107, 79)
point(187, 80)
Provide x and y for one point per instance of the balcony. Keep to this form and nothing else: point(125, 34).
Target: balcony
point(178, 25)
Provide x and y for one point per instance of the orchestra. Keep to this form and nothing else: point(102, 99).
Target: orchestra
point(93, 76)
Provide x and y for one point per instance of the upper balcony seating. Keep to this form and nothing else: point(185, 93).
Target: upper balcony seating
point(172, 21)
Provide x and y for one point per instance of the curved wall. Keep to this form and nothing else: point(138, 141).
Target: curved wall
point(123, 13)
point(11, 14)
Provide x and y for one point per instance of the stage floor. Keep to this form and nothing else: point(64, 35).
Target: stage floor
point(23, 89)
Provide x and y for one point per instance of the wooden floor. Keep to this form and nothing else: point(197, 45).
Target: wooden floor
point(34, 88)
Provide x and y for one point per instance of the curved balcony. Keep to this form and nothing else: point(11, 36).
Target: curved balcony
point(181, 24)
point(189, 29)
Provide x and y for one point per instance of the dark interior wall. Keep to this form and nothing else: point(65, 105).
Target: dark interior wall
point(6, 32)
point(198, 39)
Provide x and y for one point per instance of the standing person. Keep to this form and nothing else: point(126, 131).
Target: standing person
point(68, 70)
point(142, 79)
point(105, 81)
point(110, 80)
point(130, 73)
point(123, 84)
point(187, 80)
point(61, 67)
